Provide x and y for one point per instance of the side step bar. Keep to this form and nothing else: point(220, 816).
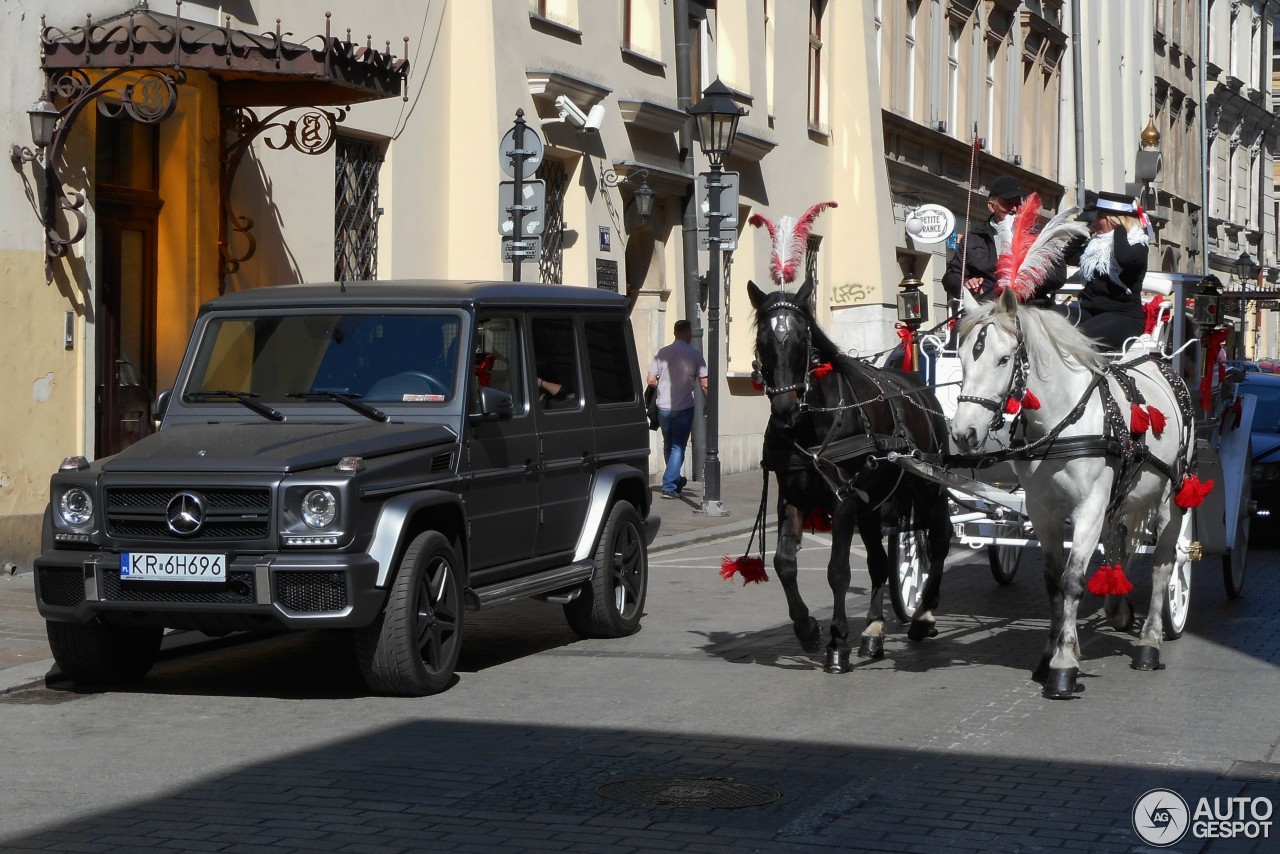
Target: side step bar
point(551, 581)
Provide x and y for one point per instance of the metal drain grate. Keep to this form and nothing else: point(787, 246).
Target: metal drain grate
point(713, 792)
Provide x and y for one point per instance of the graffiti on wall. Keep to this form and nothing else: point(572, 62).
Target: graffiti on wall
point(851, 293)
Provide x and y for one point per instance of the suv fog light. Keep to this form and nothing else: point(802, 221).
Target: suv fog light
point(75, 506)
point(319, 508)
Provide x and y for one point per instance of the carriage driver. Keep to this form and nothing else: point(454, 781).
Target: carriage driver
point(1113, 263)
point(987, 241)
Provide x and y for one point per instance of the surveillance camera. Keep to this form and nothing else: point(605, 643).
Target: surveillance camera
point(595, 118)
point(570, 111)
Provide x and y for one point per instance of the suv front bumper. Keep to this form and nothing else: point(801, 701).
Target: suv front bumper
point(284, 591)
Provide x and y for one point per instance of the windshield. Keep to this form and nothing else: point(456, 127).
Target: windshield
point(388, 358)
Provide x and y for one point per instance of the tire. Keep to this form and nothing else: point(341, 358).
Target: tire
point(1004, 562)
point(412, 648)
point(612, 602)
point(908, 549)
point(1235, 561)
point(98, 653)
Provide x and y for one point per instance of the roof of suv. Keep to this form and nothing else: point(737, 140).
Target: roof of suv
point(426, 292)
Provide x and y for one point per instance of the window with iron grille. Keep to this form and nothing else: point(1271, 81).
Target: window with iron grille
point(551, 262)
point(355, 213)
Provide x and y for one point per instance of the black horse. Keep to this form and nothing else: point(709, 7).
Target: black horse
point(831, 418)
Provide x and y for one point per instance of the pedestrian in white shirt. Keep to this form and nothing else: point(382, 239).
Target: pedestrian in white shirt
point(674, 370)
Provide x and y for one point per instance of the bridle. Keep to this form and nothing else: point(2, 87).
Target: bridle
point(1017, 389)
point(781, 326)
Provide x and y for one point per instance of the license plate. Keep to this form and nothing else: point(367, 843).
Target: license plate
point(169, 566)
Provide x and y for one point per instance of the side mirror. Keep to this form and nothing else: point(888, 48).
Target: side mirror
point(495, 405)
point(162, 406)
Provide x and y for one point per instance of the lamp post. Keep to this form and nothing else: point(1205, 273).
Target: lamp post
point(913, 310)
point(716, 116)
point(642, 195)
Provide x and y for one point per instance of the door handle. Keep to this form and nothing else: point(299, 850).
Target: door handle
point(531, 467)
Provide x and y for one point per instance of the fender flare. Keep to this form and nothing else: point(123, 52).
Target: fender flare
point(392, 519)
point(603, 488)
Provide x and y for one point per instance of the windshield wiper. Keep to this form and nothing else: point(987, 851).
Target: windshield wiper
point(245, 397)
point(351, 401)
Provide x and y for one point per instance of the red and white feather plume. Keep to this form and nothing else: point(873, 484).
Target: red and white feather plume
point(1034, 253)
point(790, 239)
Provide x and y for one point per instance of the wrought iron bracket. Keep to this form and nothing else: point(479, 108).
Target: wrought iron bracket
point(143, 95)
point(313, 131)
point(642, 193)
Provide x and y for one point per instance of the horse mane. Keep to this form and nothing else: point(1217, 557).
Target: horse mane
point(1048, 336)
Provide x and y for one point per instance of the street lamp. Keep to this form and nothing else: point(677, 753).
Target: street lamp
point(44, 122)
point(716, 116)
point(1245, 267)
point(642, 195)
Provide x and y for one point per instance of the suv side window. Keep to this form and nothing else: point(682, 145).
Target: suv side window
point(497, 357)
point(609, 360)
point(555, 358)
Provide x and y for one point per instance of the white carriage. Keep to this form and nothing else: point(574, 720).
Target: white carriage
point(987, 503)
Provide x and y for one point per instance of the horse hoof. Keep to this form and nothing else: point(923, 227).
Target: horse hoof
point(809, 633)
point(1041, 673)
point(838, 660)
point(921, 629)
point(872, 646)
point(1061, 684)
point(1148, 658)
point(1123, 619)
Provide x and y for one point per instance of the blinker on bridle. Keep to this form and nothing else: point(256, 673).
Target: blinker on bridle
point(1017, 382)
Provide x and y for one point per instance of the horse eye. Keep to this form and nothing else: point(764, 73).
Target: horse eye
point(1004, 360)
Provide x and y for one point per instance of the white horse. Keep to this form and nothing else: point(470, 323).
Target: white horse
point(1080, 457)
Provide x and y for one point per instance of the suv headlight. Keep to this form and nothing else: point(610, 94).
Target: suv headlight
point(319, 508)
point(76, 507)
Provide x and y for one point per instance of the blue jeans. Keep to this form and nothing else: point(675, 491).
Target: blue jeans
point(675, 425)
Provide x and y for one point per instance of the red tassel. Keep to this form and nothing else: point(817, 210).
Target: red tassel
point(820, 371)
point(819, 520)
point(1139, 422)
point(1029, 400)
point(1192, 492)
point(908, 347)
point(1157, 421)
point(1012, 405)
point(1110, 580)
point(750, 568)
point(757, 386)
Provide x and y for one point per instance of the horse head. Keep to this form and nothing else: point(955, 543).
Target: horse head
point(993, 355)
point(783, 344)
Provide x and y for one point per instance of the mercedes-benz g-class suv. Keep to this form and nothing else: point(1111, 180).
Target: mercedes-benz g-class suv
point(376, 456)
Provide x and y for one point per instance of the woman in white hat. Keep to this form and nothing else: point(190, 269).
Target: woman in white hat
point(1113, 263)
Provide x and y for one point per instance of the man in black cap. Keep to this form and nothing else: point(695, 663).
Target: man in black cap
point(986, 242)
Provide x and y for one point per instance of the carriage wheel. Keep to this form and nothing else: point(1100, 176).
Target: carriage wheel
point(1004, 562)
point(908, 565)
point(1235, 560)
point(1177, 596)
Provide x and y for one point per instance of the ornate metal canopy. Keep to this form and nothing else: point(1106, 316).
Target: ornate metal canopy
point(322, 70)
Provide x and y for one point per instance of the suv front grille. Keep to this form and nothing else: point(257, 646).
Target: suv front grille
point(231, 513)
point(238, 590)
point(310, 591)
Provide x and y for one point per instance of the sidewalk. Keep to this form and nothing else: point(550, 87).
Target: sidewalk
point(24, 648)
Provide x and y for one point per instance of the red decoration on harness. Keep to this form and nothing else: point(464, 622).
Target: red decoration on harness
point(820, 371)
point(819, 520)
point(1157, 421)
point(750, 568)
point(1012, 406)
point(1139, 421)
point(1152, 309)
point(1110, 580)
point(908, 347)
point(1192, 492)
point(757, 386)
point(1029, 400)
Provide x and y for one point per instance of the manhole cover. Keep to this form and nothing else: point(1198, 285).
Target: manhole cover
point(712, 792)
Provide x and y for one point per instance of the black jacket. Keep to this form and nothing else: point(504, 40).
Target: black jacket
point(1102, 295)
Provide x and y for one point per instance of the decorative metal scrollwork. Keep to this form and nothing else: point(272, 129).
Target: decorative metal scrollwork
point(312, 132)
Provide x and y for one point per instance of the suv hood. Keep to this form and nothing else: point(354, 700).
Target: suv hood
point(266, 447)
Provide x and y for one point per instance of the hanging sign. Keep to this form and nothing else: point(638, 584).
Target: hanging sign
point(930, 224)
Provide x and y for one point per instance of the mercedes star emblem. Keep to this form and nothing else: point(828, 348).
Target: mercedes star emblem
point(185, 514)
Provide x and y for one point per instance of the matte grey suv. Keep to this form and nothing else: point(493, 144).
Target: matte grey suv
point(378, 457)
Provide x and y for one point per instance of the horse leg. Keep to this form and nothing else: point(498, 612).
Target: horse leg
point(808, 630)
point(838, 574)
point(1117, 608)
point(932, 512)
point(871, 644)
point(1166, 552)
point(1064, 665)
point(1050, 535)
